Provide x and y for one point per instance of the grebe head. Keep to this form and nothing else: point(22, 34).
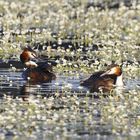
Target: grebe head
point(116, 71)
point(26, 57)
point(113, 69)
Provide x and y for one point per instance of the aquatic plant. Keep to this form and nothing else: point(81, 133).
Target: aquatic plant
point(81, 37)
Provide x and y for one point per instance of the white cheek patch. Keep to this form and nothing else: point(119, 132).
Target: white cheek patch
point(112, 71)
point(30, 64)
point(109, 72)
point(32, 55)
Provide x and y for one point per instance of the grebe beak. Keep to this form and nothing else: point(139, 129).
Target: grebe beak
point(34, 55)
point(109, 72)
point(106, 73)
point(31, 53)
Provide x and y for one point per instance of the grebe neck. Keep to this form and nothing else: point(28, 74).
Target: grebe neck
point(119, 81)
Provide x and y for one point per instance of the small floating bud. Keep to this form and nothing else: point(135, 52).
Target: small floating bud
point(28, 78)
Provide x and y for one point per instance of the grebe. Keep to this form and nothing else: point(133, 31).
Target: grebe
point(35, 72)
point(104, 81)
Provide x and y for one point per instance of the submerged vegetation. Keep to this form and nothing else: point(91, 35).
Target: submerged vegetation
point(81, 36)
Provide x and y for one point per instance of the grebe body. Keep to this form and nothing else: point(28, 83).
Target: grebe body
point(104, 81)
point(35, 72)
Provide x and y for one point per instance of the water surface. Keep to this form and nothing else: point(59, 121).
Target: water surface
point(70, 111)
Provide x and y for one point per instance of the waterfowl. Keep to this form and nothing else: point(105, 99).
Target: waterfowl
point(104, 81)
point(35, 72)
